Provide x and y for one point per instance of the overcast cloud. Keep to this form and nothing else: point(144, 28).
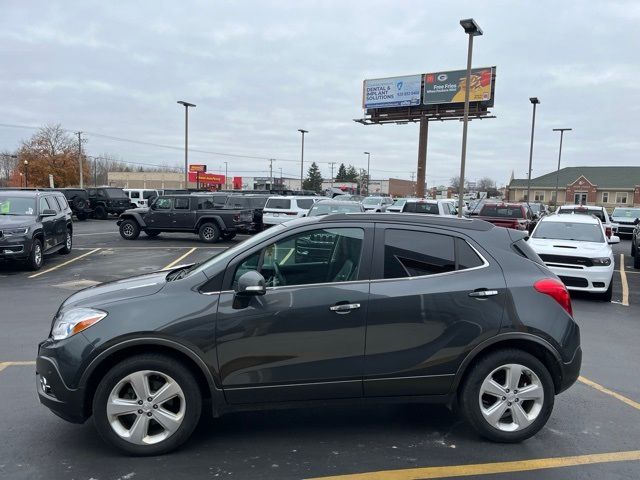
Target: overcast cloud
point(258, 71)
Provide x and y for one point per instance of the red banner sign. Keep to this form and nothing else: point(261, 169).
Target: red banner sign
point(206, 178)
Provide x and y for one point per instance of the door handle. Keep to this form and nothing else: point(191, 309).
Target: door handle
point(344, 308)
point(483, 293)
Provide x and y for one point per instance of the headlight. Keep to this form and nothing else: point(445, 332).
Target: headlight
point(601, 262)
point(7, 232)
point(75, 321)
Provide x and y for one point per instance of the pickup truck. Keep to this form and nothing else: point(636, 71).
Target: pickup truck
point(507, 215)
point(184, 213)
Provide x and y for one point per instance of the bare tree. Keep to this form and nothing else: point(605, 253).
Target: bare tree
point(485, 184)
point(8, 165)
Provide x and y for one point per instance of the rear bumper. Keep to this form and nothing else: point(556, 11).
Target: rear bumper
point(571, 371)
point(270, 220)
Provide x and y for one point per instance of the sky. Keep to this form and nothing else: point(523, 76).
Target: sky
point(260, 70)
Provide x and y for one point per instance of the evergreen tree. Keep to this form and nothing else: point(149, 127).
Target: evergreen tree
point(313, 180)
point(341, 176)
point(352, 174)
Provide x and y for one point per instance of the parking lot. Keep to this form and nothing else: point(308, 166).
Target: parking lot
point(594, 431)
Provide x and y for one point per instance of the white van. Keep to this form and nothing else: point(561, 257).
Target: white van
point(140, 197)
point(280, 209)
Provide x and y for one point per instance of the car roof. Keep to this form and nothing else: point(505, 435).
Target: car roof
point(24, 193)
point(569, 217)
point(582, 207)
point(330, 201)
point(294, 197)
point(410, 218)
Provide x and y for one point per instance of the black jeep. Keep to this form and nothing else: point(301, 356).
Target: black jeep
point(78, 200)
point(34, 223)
point(254, 202)
point(184, 213)
point(106, 200)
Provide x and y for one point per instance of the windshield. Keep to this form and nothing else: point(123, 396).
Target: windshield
point(17, 205)
point(399, 202)
point(239, 248)
point(501, 212)
point(626, 212)
point(582, 232)
point(115, 193)
point(323, 208)
point(371, 201)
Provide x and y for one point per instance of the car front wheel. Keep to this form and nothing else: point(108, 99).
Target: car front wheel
point(508, 396)
point(35, 260)
point(129, 230)
point(147, 405)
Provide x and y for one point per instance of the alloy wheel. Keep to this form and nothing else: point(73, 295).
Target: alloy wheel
point(208, 233)
point(127, 229)
point(37, 256)
point(511, 397)
point(146, 407)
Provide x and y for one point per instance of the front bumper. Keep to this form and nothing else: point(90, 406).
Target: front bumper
point(587, 279)
point(15, 247)
point(626, 229)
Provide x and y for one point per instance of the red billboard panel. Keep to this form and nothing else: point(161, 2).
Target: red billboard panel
point(213, 178)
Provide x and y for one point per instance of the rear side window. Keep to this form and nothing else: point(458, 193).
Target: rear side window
point(181, 204)
point(466, 256)
point(134, 194)
point(279, 203)
point(205, 203)
point(62, 202)
point(44, 204)
point(412, 254)
point(147, 194)
point(305, 203)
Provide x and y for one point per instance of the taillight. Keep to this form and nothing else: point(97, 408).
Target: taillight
point(556, 290)
point(236, 218)
point(608, 231)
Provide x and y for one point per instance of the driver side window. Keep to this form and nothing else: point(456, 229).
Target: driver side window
point(316, 256)
point(162, 204)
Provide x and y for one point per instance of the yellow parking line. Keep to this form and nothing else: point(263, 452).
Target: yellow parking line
point(4, 365)
point(625, 285)
point(180, 258)
point(490, 468)
point(616, 395)
point(64, 263)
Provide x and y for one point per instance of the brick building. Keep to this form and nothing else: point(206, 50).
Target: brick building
point(607, 186)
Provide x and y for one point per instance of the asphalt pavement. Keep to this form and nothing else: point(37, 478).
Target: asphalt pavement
point(594, 431)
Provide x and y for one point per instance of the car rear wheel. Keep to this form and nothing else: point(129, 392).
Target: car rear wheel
point(81, 216)
point(129, 229)
point(636, 259)
point(101, 213)
point(35, 260)
point(68, 243)
point(229, 236)
point(151, 233)
point(508, 396)
point(209, 233)
point(147, 405)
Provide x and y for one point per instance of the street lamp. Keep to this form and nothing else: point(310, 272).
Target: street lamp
point(368, 163)
point(186, 140)
point(472, 29)
point(302, 157)
point(561, 130)
point(534, 101)
point(26, 174)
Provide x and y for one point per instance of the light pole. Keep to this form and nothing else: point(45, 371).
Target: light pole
point(472, 29)
point(186, 140)
point(534, 101)
point(26, 174)
point(561, 130)
point(368, 164)
point(302, 157)
point(226, 175)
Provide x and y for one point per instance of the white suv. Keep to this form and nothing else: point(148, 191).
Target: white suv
point(280, 209)
point(377, 204)
point(430, 207)
point(140, 197)
point(575, 248)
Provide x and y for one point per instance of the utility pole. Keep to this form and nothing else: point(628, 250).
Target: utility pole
point(561, 130)
point(80, 157)
point(368, 164)
point(413, 183)
point(332, 164)
point(271, 173)
point(226, 174)
point(186, 141)
point(95, 172)
point(534, 101)
point(302, 157)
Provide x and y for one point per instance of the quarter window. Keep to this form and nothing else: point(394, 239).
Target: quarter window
point(318, 256)
point(409, 253)
point(181, 204)
point(44, 204)
point(466, 256)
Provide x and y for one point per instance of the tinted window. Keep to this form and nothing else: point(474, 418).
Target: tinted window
point(134, 194)
point(115, 193)
point(412, 254)
point(419, 207)
point(306, 204)
point(162, 204)
point(278, 203)
point(501, 211)
point(317, 256)
point(205, 203)
point(62, 203)
point(45, 205)
point(149, 194)
point(466, 256)
point(238, 202)
point(181, 204)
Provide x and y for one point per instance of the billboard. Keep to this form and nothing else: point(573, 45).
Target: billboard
point(449, 87)
point(391, 92)
point(197, 167)
point(206, 178)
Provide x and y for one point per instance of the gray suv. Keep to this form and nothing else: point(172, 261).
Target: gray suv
point(347, 307)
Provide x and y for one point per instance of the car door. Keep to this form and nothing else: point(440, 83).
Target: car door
point(160, 215)
point(48, 223)
point(434, 295)
point(61, 221)
point(184, 218)
point(304, 339)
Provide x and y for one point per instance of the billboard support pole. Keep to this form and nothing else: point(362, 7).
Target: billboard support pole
point(422, 156)
point(465, 124)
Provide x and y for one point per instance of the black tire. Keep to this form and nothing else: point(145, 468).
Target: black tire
point(209, 232)
point(78, 203)
point(608, 295)
point(152, 234)
point(633, 248)
point(81, 216)
point(68, 245)
point(101, 213)
point(636, 260)
point(157, 363)
point(36, 257)
point(129, 229)
point(469, 394)
point(229, 236)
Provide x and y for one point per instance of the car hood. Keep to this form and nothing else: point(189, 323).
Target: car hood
point(569, 247)
point(118, 290)
point(7, 221)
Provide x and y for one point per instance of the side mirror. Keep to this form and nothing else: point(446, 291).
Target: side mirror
point(251, 283)
point(614, 239)
point(48, 213)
